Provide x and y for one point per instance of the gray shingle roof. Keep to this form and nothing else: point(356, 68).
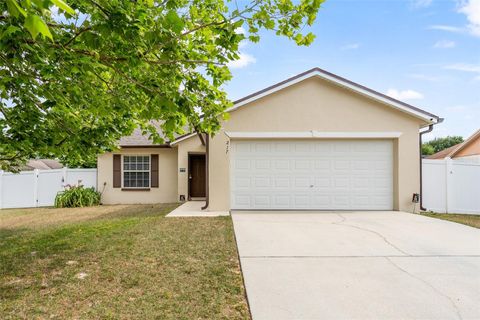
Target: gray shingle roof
point(139, 139)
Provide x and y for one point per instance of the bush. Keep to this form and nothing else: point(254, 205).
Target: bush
point(77, 196)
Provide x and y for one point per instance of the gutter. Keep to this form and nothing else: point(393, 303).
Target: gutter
point(207, 180)
point(430, 129)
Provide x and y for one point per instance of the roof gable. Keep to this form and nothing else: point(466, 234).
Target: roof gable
point(345, 83)
point(472, 139)
point(452, 151)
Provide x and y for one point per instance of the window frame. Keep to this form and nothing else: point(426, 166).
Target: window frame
point(149, 171)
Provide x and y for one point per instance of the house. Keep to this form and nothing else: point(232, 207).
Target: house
point(314, 141)
point(41, 164)
point(465, 152)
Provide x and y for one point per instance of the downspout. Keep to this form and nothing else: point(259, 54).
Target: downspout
point(207, 180)
point(430, 128)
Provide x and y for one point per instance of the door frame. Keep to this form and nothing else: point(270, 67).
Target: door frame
point(190, 155)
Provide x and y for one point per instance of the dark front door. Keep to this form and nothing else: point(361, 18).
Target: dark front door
point(196, 175)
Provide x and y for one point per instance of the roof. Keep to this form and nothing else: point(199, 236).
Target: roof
point(466, 143)
point(428, 117)
point(444, 153)
point(42, 164)
point(137, 139)
point(453, 150)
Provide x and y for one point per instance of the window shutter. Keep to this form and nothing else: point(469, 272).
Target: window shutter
point(154, 171)
point(117, 171)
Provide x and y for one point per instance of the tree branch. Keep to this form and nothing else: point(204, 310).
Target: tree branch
point(77, 35)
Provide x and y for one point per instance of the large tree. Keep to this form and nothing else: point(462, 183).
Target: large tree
point(76, 77)
point(439, 144)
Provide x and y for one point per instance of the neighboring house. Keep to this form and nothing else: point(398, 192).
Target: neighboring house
point(466, 152)
point(41, 164)
point(313, 141)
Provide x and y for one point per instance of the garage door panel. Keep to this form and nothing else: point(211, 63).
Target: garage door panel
point(324, 175)
point(283, 183)
point(302, 182)
point(301, 201)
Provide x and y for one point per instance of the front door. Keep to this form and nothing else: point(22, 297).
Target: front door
point(196, 175)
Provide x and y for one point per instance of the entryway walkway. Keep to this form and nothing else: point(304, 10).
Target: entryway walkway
point(194, 209)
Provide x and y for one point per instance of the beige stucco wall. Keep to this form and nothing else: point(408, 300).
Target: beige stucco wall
point(166, 191)
point(190, 145)
point(316, 104)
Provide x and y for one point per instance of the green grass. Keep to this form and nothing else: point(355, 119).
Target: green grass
point(467, 219)
point(136, 264)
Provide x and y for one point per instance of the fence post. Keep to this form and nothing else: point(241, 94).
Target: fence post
point(448, 181)
point(35, 187)
point(1, 190)
point(65, 171)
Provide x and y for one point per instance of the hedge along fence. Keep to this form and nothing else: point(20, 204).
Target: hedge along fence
point(77, 196)
point(38, 188)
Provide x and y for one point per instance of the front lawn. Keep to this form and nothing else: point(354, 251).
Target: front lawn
point(118, 262)
point(468, 219)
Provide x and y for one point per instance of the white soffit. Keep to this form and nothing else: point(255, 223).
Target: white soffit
point(183, 138)
point(312, 135)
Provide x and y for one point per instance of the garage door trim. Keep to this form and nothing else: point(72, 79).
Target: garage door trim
point(312, 174)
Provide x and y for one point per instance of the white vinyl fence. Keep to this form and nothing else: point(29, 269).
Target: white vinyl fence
point(38, 188)
point(450, 186)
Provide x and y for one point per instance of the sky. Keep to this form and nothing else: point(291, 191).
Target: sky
point(423, 52)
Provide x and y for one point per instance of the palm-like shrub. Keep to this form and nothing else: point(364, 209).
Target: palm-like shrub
point(77, 196)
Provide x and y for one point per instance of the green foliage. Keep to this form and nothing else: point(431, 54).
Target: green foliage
point(76, 79)
point(439, 144)
point(427, 149)
point(77, 196)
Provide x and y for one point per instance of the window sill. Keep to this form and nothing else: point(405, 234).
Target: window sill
point(135, 189)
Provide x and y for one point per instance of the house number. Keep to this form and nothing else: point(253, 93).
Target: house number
point(183, 170)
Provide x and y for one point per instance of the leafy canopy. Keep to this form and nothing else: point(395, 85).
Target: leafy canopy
point(439, 144)
point(76, 77)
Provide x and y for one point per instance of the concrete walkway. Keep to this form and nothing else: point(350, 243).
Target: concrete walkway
point(194, 209)
point(365, 265)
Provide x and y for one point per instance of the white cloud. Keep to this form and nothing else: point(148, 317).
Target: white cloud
point(244, 60)
point(404, 94)
point(464, 67)
point(457, 108)
point(421, 76)
point(240, 30)
point(471, 8)
point(351, 46)
point(421, 3)
point(444, 44)
point(446, 28)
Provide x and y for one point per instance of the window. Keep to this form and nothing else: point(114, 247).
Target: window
point(136, 171)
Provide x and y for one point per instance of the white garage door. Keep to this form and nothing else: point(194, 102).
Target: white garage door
point(312, 174)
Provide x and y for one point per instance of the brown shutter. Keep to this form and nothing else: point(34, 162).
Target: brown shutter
point(154, 171)
point(117, 171)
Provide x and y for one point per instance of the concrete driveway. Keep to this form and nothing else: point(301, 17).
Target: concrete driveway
point(362, 265)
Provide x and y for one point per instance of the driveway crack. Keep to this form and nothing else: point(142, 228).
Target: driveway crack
point(342, 223)
point(452, 301)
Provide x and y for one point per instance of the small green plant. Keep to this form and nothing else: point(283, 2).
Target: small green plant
point(77, 196)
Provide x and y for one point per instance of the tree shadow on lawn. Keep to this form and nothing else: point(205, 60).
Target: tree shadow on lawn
point(146, 210)
point(136, 262)
point(44, 251)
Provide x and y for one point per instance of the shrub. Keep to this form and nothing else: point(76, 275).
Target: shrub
point(77, 196)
